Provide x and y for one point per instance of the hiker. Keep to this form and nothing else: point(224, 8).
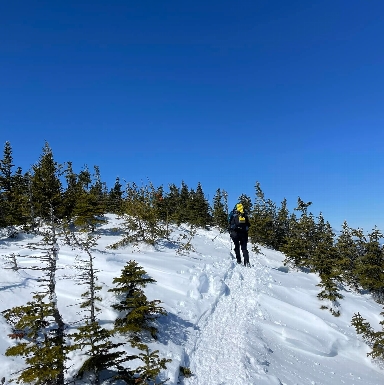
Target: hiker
point(238, 230)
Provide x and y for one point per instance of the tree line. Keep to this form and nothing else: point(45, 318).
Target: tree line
point(353, 258)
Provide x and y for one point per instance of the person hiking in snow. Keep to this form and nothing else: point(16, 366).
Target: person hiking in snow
point(238, 230)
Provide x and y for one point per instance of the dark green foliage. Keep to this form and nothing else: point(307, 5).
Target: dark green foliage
point(153, 364)
point(369, 268)
point(141, 217)
point(92, 338)
point(88, 211)
point(172, 203)
point(348, 253)
point(40, 321)
point(246, 201)
point(46, 187)
point(6, 186)
point(185, 372)
point(44, 351)
point(137, 314)
point(100, 351)
point(13, 199)
point(90, 204)
point(262, 219)
point(323, 261)
point(301, 241)
point(220, 210)
point(182, 206)
point(198, 208)
point(282, 226)
point(115, 198)
point(374, 339)
point(72, 192)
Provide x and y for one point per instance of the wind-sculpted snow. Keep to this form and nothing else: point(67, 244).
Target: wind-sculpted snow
point(229, 324)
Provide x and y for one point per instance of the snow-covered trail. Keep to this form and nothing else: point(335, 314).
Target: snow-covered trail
point(227, 348)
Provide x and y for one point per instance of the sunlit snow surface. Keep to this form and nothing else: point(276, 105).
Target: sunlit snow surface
point(229, 324)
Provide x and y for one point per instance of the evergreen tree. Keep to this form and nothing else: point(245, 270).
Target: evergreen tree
point(71, 193)
point(370, 267)
point(323, 261)
point(172, 203)
point(90, 205)
point(46, 185)
point(40, 321)
point(220, 210)
point(347, 255)
point(246, 201)
point(281, 226)
point(43, 352)
point(6, 165)
point(13, 198)
point(262, 219)
point(301, 242)
point(98, 188)
point(141, 217)
point(153, 364)
point(94, 340)
point(198, 208)
point(137, 314)
point(182, 213)
point(375, 339)
point(115, 198)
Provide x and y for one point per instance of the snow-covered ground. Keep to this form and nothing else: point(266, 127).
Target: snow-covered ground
point(229, 324)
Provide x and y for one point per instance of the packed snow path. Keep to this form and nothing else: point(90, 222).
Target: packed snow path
point(229, 333)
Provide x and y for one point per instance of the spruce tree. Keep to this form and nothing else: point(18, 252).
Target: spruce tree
point(115, 198)
point(13, 197)
point(71, 193)
point(93, 339)
point(347, 255)
point(40, 321)
point(198, 208)
point(44, 353)
point(183, 214)
point(375, 339)
point(246, 201)
point(172, 203)
point(6, 165)
point(263, 219)
point(301, 241)
point(136, 313)
point(141, 216)
point(281, 226)
point(46, 185)
point(151, 368)
point(90, 204)
point(324, 262)
point(370, 267)
point(220, 210)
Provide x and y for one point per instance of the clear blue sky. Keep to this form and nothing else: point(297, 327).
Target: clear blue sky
point(288, 93)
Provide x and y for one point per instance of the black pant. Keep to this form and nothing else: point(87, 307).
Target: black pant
point(240, 239)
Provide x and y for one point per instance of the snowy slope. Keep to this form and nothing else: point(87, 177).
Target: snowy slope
point(230, 324)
